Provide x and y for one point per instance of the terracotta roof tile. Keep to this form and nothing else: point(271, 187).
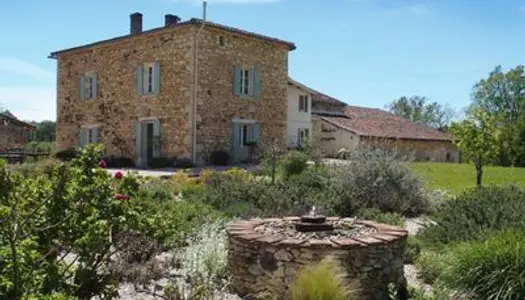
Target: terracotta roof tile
point(375, 122)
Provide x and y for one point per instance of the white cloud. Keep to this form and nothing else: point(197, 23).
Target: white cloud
point(24, 68)
point(198, 2)
point(30, 103)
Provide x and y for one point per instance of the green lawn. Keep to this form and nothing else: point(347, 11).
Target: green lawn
point(457, 177)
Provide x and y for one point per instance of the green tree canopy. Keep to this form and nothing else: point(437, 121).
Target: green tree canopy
point(502, 95)
point(477, 138)
point(418, 110)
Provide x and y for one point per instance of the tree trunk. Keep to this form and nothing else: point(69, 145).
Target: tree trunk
point(479, 174)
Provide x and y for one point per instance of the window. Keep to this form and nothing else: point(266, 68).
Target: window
point(303, 103)
point(302, 136)
point(246, 82)
point(88, 135)
point(221, 40)
point(245, 134)
point(88, 86)
point(148, 78)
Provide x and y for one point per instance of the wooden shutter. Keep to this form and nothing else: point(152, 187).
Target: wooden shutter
point(156, 139)
point(138, 143)
point(140, 81)
point(256, 129)
point(82, 137)
point(256, 83)
point(95, 86)
point(236, 81)
point(94, 133)
point(82, 88)
point(236, 139)
point(156, 77)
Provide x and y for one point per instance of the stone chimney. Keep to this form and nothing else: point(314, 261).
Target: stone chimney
point(135, 23)
point(170, 20)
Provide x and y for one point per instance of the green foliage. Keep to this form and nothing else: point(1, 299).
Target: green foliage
point(471, 214)
point(376, 215)
point(45, 131)
point(293, 163)
point(322, 281)
point(417, 110)
point(33, 169)
point(412, 250)
point(69, 211)
point(431, 264)
point(380, 180)
point(491, 269)
point(477, 138)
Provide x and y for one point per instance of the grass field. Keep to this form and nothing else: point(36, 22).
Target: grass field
point(457, 177)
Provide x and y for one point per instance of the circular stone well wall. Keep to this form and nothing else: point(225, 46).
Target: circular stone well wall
point(261, 262)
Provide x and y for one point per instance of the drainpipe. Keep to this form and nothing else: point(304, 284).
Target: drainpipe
point(195, 81)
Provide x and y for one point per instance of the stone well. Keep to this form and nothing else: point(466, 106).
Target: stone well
point(263, 258)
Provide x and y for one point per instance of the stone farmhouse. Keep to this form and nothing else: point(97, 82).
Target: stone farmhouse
point(190, 88)
point(185, 89)
point(14, 134)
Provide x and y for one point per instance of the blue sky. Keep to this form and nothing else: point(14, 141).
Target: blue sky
point(364, 52)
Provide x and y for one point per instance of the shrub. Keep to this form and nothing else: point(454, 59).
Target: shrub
point(184, 163)
point(162, 162)
point(219, 158)
point(380, 179)
point(118, 162)
point(490, 269)
point(378, 216)
point(322, 281)
point(67, 154)
point(33, 169)
point(430, 265)
point(472, 213)
point(293, 163)
point(412, 250)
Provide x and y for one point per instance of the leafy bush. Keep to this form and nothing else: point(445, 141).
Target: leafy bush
point(118, 162)
point(293, 163)
point(322, 281)
point(412, 250)
point(204, 264)
point(380, 179)
point(219, 158)
point(430, 265)
point(472, 213)
point(33, 169)
point(490, 269)
point(67, 154)
point(375, 214)
point(162, 162)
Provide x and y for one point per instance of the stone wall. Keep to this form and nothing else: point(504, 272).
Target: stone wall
point(118, 107)
point(269, 263)
point(13, 135)
point(421, 150)
point(217, 105)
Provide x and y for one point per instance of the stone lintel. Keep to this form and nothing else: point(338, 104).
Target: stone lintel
point(347, 242)
point(368, 240)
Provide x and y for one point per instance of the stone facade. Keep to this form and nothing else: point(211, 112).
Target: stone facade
point(420, 150)
point(117, 108)
point(269, 263)
point(13, 133)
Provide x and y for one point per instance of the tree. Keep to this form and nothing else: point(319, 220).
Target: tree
point(477, 138)
point(418, 110)
point(502, 95)
point(45, 131)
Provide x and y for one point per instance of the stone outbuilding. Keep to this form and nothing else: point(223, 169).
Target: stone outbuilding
point(14, 134)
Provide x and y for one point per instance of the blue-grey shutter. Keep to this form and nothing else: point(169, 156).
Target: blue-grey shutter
point(140, 81)
point(236, 139)
point(256, 83)
point(156, 139)
point(156, 77)
point(82, 88)
point(138, 143)
point(95, 135)
point(256, 129)
point(95, 87)
point(236, 81)
point(82, 137)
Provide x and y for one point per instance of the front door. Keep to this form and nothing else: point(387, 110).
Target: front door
point(147, 142)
